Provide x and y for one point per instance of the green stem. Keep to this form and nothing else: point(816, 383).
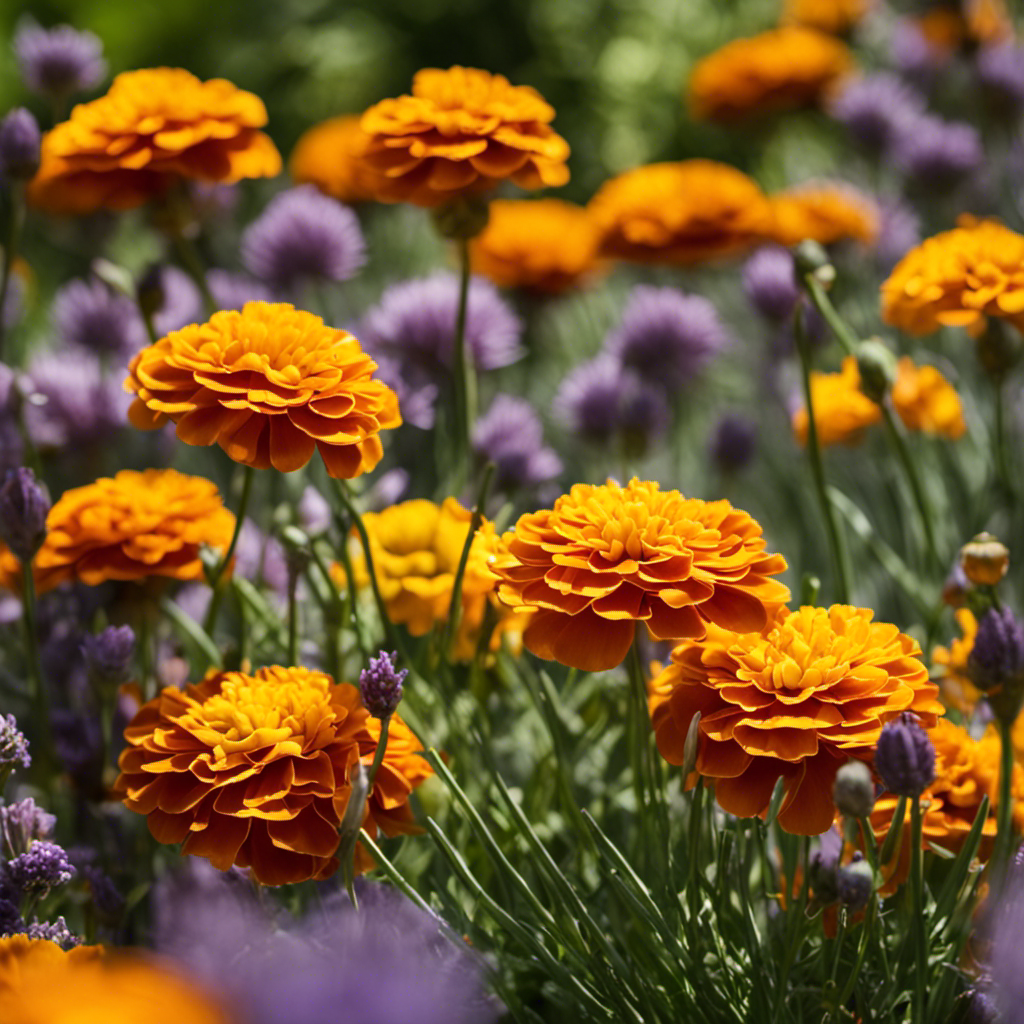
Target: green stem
point(378, 756)
point(1004, 474)
point(918, 923)
point(693, 875)
point(1004, 809)
point(463, 371)
point(189, 256)
point(837, 546)
point(216, 578)
point(43, 756)
point(293, 619)
point(14, 225)
point(829, 313)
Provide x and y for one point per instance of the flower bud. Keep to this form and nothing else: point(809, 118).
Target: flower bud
point(21, 824)
point(876, 365)
point(19, 145)
point(855, 883)
point(996, 662)
point(149, 291)
point(905, 757)
point(811, 259)
point(461, 219)
point(822, 873)
point(381, 685)
point(854, 790)
point(998, 348)
point(108, 657)
point(984, 560)
point(24, 506)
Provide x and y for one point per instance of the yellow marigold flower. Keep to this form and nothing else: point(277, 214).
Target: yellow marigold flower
point(257, 770)
point(544, 245)
point(127, 527)
point(951, 661)
point(842, 412)
point(270, 384)
point(40, 983)
point(153, 128)
point(957, 278)
point(965, 771)
point(680, 213)
point(834, 16)
point(926, 401)
point(330, 156)
point(787, 67)
point(826, 212)
point(461, 132)
point(791, 702)
point(605, 558)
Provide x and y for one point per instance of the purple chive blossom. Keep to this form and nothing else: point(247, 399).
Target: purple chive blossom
point(1000, 70)
point(24, 506)
point(996, 662)
point(180, 302)
point(510, 435)
point(769, 282)
point(313, 511)
point(381, 685)
point(23, 823)
point(386, 490)
point(261, 559)
point(58, 62)
point(89, 314)
point(644, 412)
point(915, 56)
point(233, 291)
point(19, 145)
point(905, 757)
point(54, 931)
point(667, 336)
point(303, 236)
point(855, 882)
point(13, 745)
point(939, 153)
point(43, 866)
point(733, 442)
point(899, 231)
point(416, 397)
point(877, 109)
point(108, 656)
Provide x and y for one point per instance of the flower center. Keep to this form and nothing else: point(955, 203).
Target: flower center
point(802, 652)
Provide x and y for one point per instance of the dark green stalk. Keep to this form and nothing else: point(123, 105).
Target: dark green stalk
point(463, 378)
point(378, 754)
point(293, 619)
point(1004, 809)
point(14, 225)
point(829, 313)
point(693, 896)
point(215, 579)
point(193, 265)
point(1004, 473)
point(43, 756)
point(918, 923)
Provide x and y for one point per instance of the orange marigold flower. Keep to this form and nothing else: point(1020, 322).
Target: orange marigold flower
point(926, 401)
point(330, 156)
point(787, 67)
point(826, 212)
point(154, 127)
point(681, 213)
point(127, 527)
point(957, 278)
point(792, 702)
point(544, 245)
point(951, 661)
point(965, 771)
point(461, 132)
point(834, 16)
point(257, 770)
point(40, 982)
point(842, 412)
point(270, 384)
point(605, 558)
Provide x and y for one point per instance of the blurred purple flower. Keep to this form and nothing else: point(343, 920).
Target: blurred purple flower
point(13, 745)
point(180, 304)
point(416, 400)
point(19, 145)
point(769, 283)
point(666, 336)
point(233, 291)
point(1000, 71)
point(511, 435)
point(87, 313)
point(24, 505)
point(899, 231)
point(108, 656)
point(58, 62)
point(939, 154)
point(260, 558)
point(21, 824)
point(1006, 959)
point(915, 56)
point(314, 511)
point(877, 109)
point(14, 302)
point(303, 236)
point(733, 442)
point(212, 201)
point(386, 490)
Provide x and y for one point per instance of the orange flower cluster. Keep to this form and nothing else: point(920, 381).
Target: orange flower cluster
point(330, 156)
point(461, 132)
point(793, 701)
point(923, 399)
point(543, 245)
point(834, 16)
point(154, 127)
point(605, 558)
point(40, 982)
point(965, 771)
point(957, 278)
point(680, 213)
point(257, 770)
point(787, 67)
point(826, 213)
point(127, 527)
point(270, 384)
point(957, 687)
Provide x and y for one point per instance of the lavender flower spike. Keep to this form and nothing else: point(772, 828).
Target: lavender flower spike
point(905, 757)
point(24, 506)
point(13, 745)
point(19, 145)
point(381, 685)
point(510, 434)
point(58, 62)
point(42, 867)
point(21, 824)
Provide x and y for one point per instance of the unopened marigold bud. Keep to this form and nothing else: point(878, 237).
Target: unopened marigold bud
point(108, 656)
point(381, 685)
point(24, 506)
point(811, 259)
point(876, 365)
point(855, 882)
point(461, 219)
point(854, 790)
point(985, 560)
point(905, 757)
point(19, 145)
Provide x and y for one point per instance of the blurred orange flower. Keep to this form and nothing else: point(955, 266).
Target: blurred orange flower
point(462, 131)
point(153, 128)
point(680, 213)
point(605, 558)
point(127, 527)
point(956, 684)
point(926, 401)
point(786, 67)
point(834, 16)
point(826, 212)
point(543, 245)
point(330, 156)
point(270, 384)
point(793, 701)
point(257, 770)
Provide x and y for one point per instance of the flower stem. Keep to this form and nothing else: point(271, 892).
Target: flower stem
point(14, 226)
point(40, 698)
point(1004, 474)
point(378, 756)
point(293, 619)
point(1004, 809)
point(189, 256)
point(837, 545)
point(463, 372)
point(917, 910)
point(217, 576)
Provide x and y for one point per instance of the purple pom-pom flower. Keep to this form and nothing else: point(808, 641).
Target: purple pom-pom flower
point(510, 435)
point(58, 62)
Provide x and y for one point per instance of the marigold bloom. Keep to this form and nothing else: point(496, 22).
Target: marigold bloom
point(965, 771)
point(41, 982)
point(270, 385)
point(154, 127)
point(786, 67)
point(127, 527)
point(461, 132)
point(257, 770)
point(793, 701)
point(607, 557)
point(680, 213)
point(842, 412)
point(834, 16)
point(951, 662)
point(544, 245)
point(330, 156)
point(957, 278)
point(827, 212)
point(926, 401)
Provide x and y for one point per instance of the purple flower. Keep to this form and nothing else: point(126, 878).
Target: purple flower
point(11, 922)
point(899, 231)
point(510, 434)
point(939, 154)
point(233, 291)
point(24, 506)
point(13, 745)
point(19, 145)
point(40, 868)
point(175, 299)
point(303, 235)
point(416, 400)
point(313, 511)
point(60, 61)
point(855, 882)
point(23, 823)
point(667, 336)
point(733, 442)
point(915, 56)
point(905, 757)
point(1006, 959)
point(108, 656)
point(877, 109)
point(996, 662)
point(769, 282)
point(386, 490)
point(381, 685)
point(1000, 71)
point(89, 314)
point(54, 931)
point(261, 559)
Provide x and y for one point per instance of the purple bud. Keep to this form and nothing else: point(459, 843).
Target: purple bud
point(905, 757)
point(1000, 71)
point(381, 685)
point(42, 867)
point(108, 656)
point(24, 506)
point(13, 746)
point(769, 282)
point(996, 662)
point(939, 153)
point(19, 145)
point(855, 882)
point(733, 442)
point(60, 61)
point(824, 865)
point(23, 823)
